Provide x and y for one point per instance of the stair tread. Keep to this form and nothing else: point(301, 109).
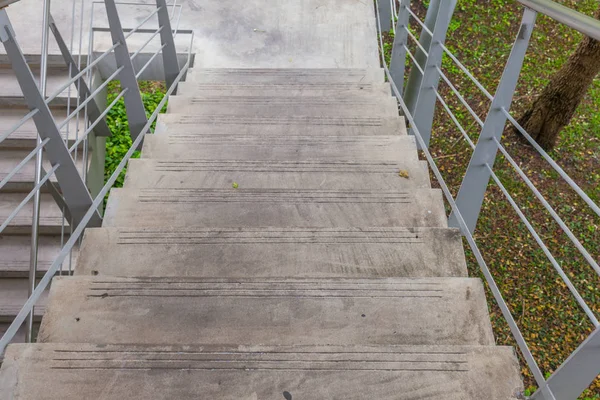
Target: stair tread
point(339, 90)
point(329, 311)
point(280, 147)
point(11, 93)
point(282, 106)
point(284, 75)
point(229, 207)
point(26, 135)
point(13, 294)
point(15, 254)
point(51, 218)
point(271, 252)
point(116, 372)
point(147, 173)
point(186, 124)
point(22, 181)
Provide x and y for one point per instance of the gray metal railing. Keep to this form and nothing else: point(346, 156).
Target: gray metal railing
point(80, 208)
point(418, 97)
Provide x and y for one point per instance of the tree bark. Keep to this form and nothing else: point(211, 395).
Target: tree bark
point(556, 104)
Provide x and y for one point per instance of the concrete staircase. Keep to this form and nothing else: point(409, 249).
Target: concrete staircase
point(278, 239)
point(15, 240)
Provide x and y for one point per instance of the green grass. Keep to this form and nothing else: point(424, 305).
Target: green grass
point(481, 35)
point(119, 143)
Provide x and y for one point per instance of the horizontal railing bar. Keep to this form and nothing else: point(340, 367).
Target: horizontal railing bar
point(518, 336)
point(419, 45)
point(146, 43)
point(416, 17)
point(176, 30)
point(416, 64)
point(453, 117)
point(466, 71)
point(580, 22)
point(453, 58)
point(149, 30)
point(25, 160)
point(81, 73)
point(27, 198)
point(460, 97)
point(100, 118)
point(536, 236)
point(141, 71)
point(545, 249)
point(553, 163)
point(134, 30)
point(76, 233)
point(548, 207)
point(90, 98)
point(19, 124)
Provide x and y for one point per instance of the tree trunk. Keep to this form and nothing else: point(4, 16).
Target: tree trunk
point(557, 103)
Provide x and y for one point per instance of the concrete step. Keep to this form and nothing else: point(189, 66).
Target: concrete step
point(280, 147)
point(184, 124)
point(50, 215)
point(22, 181)
point(15, 253)
point(383, 106)
point(330, 76)
point(333, 175)
point(323, 90)
point(116, 372)
point(249, 207)
point(13, 294)
point(12, 95)
point(25, 137)
point(442, 311)
point(270, 252)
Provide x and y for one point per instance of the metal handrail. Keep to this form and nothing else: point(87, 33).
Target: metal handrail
point(78, 231)
point(563, 379)
point(31, 193)
point(146, 43)
point(516, 332)
point(580, 22)
point(84, 71)
point(90, 98)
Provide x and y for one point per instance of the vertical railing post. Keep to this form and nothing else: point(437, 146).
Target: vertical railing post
point(398, 60)
point(474, 184)
point(424, 110)
point(136, 114)
point(35, 216)
point(576, 373)
point(169, 53)
point(414, 77)
point(385, 14)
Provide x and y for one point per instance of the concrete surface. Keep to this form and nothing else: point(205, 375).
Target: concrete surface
point(230, 33)
point(442, 311)
point(280, 147)
point(333, 175)
point(229, 207)
point(270, 252)
point(230, 372)
point(185, 124)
